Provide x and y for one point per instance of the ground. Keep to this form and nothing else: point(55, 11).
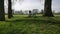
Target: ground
point(22, 24)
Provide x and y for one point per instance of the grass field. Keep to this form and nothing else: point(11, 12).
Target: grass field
point(22, 24)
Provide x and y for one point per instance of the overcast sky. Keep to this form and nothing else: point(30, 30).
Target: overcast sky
point(33, 4)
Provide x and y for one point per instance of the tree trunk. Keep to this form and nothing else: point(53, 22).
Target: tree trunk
point(47, 8)
point(2, 12)
point(9, 9)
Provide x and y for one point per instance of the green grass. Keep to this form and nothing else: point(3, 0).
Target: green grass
point(22, 24)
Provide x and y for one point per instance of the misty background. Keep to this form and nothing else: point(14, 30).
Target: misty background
point(18, 5)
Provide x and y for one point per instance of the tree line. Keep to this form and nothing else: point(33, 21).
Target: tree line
point(47, 9)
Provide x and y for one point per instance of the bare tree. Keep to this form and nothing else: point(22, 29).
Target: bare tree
point(2, 12)
point(47, 8)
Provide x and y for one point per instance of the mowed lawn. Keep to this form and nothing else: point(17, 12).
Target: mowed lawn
point(22, 24)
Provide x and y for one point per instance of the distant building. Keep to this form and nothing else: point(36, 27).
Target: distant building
point(42, 11)
point(35, 10)
point(18, 12)
point(26, 12)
